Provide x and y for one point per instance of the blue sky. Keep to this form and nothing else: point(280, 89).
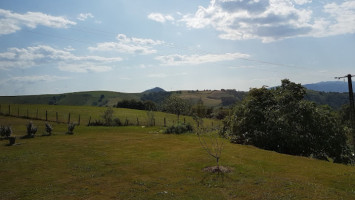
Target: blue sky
point(62, 46)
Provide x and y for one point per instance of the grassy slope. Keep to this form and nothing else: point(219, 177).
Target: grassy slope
point(140, 163)
point(76, 98)
point(95, 113)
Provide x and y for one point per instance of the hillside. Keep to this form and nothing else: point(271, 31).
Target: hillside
point(91, 98)
point(142, 163)
point(329, 86)
point(210, 98)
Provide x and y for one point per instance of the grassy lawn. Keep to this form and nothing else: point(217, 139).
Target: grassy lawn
point(142, 163)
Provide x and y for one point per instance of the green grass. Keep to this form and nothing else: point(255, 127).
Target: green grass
point(142, 163)
point(95, 113)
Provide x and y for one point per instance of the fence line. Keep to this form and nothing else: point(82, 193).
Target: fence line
point(34, 113)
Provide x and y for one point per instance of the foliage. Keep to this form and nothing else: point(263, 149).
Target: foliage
point(31, 130)
point(280, 120)
point(107, 115)
point(176, 106)
point(179, 128)
point(138, 105)
point(201, 110)
point(71, 127)
point(5, 131)
point(48, 128)
point(157, 97)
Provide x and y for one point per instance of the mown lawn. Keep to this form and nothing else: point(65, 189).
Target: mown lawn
point(143, 163)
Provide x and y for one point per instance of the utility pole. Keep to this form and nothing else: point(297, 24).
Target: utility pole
point(351, 99)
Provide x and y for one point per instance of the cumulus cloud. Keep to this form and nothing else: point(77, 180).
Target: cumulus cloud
point(176, 59)
point(64, 59)
point(84, 16)
point(158, 17)
point(271, 20)
point(11, 22)
point(130, 45)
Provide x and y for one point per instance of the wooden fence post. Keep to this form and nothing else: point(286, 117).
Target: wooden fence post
point(79, 120)
point(89, 121)
point(46, 115)
point(69, 118)
point(9, 109)
point(18, 111)
point(137, 121)
point(184, 120)
point(27, 113)
point(164, 122)
point(37, 114)
point(56, 117)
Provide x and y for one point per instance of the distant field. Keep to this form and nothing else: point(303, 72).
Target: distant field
point(142, 163)
point(134, 117)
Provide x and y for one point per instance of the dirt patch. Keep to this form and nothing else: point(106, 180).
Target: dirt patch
point(216, 169)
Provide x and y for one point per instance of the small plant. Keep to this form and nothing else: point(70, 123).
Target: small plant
point(179, 128)
point(214, 147)
point(5, 131)
point(71, 127)
point(31, 130)
point(49, 129)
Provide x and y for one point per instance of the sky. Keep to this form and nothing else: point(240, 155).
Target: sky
point(51, 47)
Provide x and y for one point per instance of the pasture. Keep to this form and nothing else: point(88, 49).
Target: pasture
point(132, 162)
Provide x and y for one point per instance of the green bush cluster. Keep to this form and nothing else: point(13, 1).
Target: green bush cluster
point(179, 129)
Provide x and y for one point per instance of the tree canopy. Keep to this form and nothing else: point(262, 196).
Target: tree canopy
point(279, 119)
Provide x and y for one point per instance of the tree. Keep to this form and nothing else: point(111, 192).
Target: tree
point(108, 114)
point(176, 105)
point(279, 119)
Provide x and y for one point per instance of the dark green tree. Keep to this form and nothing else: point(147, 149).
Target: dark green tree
point(176, 106)
point(279, 119)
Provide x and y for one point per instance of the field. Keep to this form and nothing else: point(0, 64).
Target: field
point(87, 113)
point(142, 163)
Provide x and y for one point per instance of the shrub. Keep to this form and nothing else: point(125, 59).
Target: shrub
point(71, 127)
point(179, 128)
point(5, 131)
point(31, 130)
point(117, 122)
point(49, 129)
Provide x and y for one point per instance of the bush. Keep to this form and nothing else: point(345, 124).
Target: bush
point(5, 131)
point(49, 129)
point(179, 129)
point(71, 127)
point(31, 130)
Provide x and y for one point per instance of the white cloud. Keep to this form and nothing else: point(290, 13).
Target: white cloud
point(84, 16)
point(11, 22)
point(176, 59)
point(164, 75)
point(301, 2)
point(84, 67)
point(129, 45)
point(31, 79)
point(45, 55)
point(272, 20)
point(158, 17)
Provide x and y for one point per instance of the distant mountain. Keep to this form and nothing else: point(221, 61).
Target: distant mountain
point(154, 90)
point(329, 86)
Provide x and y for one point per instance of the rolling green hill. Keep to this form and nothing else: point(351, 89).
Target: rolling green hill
point(210, 98)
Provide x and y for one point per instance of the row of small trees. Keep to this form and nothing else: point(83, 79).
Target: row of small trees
point(31, 130)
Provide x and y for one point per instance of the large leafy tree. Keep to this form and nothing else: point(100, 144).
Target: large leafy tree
point(279, 119)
